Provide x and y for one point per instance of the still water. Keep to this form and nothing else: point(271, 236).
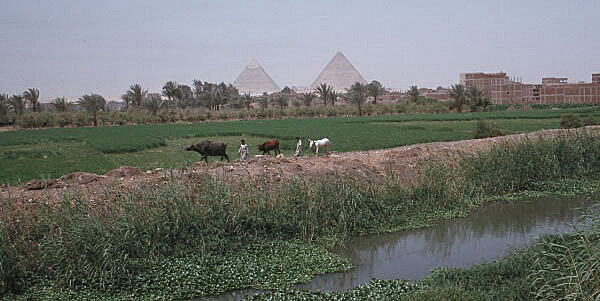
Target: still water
point(485, 235)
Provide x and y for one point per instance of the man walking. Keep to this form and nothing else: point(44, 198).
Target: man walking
point(298, 147)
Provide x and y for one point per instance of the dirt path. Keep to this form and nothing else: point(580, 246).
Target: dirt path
point(402, 162)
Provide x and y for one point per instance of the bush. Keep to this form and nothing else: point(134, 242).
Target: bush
point(487, 129)
point(7, 119)
point(45, 119)
point(117, 118)
point(569, 121)
point(82, 119)
point(25, 121)
point(222, 115)
point(242, 115)
point(64, 119)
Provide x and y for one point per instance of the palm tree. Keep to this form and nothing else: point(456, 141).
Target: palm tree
point(281, 100)
point(170, 90)
point(246, 101)
point(477, 98)
point(17, 103)
point(135, 95)
point(184, 96)
point(128, 99)
point(153, 104)
point(32, 95)
point(333, 96)
point(61, 104)
point(357, 95)
point(355, 98)
point(263, 101)
point(307, 98)
point(4, 105)
point(359, 88)
point(214, 98)
point(375, 89)
point(93, 103)
point(413, 93)
point(458, 93)
point(323, 90)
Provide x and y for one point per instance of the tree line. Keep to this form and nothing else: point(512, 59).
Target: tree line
point(473, 97)
point(215, 96)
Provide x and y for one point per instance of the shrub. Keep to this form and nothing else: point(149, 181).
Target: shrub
point(222, 115)
point(103, 118)
point(64, 119)
point(117, 118)
point(45, 119)
point(569, 121)
point(241, 114)
point(82, 119)
point(487, 129)
point(7, 119)
point(25, 121)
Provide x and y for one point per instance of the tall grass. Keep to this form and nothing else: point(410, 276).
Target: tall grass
point(512, 167)
point(568, 266)
point(84, 242)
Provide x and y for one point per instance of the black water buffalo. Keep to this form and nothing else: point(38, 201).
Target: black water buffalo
point(208, 148)
point(268, 146)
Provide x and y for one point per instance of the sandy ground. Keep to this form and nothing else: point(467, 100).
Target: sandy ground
point(7, 128)
point(401, 162)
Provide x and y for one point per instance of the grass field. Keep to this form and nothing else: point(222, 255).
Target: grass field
point(50, 153)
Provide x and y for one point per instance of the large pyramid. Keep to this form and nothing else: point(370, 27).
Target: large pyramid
point(254, 80)
point(339, 73)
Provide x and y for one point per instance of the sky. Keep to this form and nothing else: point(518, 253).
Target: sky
point(71, 48)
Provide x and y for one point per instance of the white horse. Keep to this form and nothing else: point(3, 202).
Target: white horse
point(318, 144)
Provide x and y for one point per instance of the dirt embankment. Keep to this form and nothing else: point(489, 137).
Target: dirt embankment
point(402, 162)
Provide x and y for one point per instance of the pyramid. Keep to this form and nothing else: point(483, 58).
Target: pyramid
point(339, 73)
point(254, 80)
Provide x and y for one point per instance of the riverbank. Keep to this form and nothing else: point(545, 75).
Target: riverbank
point(152, 242)
point(552, 268)
point(501, 235)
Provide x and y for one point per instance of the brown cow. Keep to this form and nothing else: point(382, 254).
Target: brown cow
point(268, 146)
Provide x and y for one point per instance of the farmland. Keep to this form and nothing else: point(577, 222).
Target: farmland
point(50, 153)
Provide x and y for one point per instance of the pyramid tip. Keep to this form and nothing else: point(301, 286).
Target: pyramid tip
point(253, 64)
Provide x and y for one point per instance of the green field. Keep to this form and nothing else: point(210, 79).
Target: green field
point(50, 153)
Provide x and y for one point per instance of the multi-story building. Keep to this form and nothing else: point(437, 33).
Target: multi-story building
point(501, 89)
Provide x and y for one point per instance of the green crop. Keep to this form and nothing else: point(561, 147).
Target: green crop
point(50, 153)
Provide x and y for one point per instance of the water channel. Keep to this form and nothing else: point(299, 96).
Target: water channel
point(485, 235)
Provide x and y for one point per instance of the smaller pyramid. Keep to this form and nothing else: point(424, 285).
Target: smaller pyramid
point(254, 80)
point(339, 73)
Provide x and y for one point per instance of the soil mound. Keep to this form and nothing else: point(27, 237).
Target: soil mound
point(80, 178)
point(42, 184)
point(125, 172)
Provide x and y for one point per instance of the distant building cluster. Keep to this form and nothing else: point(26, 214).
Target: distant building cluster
point(501, 89)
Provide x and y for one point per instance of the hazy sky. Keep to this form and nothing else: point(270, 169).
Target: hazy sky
point(69, 48)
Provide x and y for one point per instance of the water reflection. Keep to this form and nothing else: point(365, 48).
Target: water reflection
point(485, 235)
